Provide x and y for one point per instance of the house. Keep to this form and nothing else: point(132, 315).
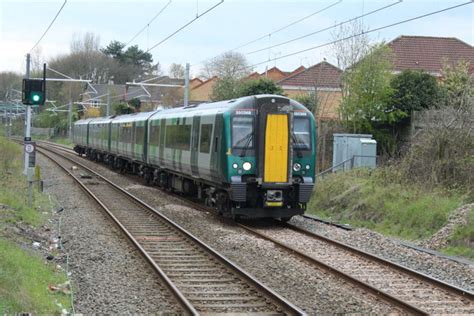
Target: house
point(274, 74)
point(429, 53)
point(96, 96)
point(325, 79)
point(203, 91)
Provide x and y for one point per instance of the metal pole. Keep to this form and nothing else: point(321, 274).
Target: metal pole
point(186, 85)
point(107, 111)
point(69, 115)
point(27, 114)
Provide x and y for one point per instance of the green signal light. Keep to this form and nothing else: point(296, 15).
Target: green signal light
point(36, 98)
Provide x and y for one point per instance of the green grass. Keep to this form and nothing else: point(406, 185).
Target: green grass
point(24, 277)
point(369, 199)
point(24, 280)
point(461, 243)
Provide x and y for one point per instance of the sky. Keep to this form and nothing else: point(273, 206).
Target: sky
point(229, 25)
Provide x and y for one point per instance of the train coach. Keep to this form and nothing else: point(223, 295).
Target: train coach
point(249, 157)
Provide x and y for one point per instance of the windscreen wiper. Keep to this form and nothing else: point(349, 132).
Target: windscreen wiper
point(247, 145)
point(296, 148)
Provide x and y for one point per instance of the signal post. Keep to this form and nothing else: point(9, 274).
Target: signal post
point(33, 94)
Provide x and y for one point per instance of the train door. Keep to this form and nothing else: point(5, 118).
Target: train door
point(195, 144)
point(276, 148)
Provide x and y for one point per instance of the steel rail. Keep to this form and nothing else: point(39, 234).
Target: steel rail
point(289, 307)
point(185, 304)
point(377, 292)
point(419, 275)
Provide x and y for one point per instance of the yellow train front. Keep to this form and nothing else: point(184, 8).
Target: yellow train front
point(270, 158)
point(249, 157)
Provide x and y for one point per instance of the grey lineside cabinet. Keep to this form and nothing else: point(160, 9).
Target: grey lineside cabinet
point(353, 151)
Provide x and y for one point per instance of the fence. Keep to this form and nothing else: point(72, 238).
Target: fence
point(347, 164)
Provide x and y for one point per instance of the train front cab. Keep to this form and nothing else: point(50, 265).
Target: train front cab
point(271, 161)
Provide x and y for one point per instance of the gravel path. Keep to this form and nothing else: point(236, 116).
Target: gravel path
point(108, 274)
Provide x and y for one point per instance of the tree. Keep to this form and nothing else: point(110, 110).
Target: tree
point(9, 80)
point(310, 100)
point(225, 89)
point(414, 91)
point(365, 106)
point(228, 65)
point(176, 71)
point(114, 50)
point(259, 86)
point(122, 108)
point(89, 42)
point(456, 85)
point(135, 103)
point(349, 47)
point(133, 55)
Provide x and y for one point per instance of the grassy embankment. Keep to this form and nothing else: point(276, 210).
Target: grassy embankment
point(375, 201)
point(24, 274)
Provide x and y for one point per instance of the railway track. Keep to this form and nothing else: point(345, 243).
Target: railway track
point(201, 280)
point(414, 292)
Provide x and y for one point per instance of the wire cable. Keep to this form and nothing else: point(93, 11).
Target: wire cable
point(362, 33)
point(324, 29)
point(57, 14)
point(184, 26)
point(287, 26)
point(148, 24)
point(276, 31)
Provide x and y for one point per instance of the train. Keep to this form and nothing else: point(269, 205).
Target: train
point(251, 157)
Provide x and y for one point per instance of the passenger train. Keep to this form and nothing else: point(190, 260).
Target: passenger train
point(250, 157)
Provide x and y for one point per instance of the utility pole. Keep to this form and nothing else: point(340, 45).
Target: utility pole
point(27, 115)
point(69, 114)
point(107, 112)
point(186, 85)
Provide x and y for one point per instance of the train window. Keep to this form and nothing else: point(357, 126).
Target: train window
point(301, 133)
point(178, 136)
point(206, 133)
point(154, 135)
point(139, 134)
point(242, 131)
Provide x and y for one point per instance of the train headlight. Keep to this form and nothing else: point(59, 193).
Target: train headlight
point(296, 167)
point(308, 167)
point(247, 166)
point(235, 166)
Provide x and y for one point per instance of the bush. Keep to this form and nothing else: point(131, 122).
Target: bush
point(9, 154)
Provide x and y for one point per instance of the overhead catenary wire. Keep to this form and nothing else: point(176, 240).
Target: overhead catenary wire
point(287, 26)
point(324, 29)
point(184, 26)
point(50, 24)
point(148, 24)
point(277, 30)
point(362, 33)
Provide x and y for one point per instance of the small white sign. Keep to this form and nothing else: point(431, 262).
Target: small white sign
point(29, 148)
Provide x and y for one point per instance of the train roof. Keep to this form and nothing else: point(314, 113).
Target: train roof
point(140, 116)
point(203, 108)
point(83, 121)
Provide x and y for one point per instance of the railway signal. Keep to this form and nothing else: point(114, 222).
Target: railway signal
point(34, 92)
